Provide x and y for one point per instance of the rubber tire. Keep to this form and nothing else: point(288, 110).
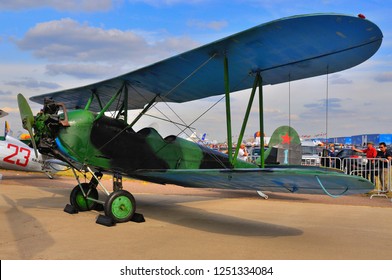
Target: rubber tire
point(78, 200)
point(120, 206)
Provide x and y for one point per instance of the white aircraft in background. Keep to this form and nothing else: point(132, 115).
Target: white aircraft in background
point(3, 114)
point(16, 155)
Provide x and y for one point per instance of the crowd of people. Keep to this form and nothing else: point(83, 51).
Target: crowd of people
point(378, 163)
point(377, 167)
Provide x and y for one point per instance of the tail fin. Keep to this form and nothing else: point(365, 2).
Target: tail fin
point(284, 147)
point(6, 129)
point(3, 114)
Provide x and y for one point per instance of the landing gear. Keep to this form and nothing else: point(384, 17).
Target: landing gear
point(84, 198)
point(119, 206)
point(49, 174)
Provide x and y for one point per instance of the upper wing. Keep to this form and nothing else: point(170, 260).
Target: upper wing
point(283, 50)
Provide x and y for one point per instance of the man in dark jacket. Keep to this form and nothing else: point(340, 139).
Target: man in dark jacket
point(386, 156)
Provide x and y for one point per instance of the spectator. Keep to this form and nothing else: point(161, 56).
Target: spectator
point(331, 155)
point(243, 153)
point(386, 155)
point(371, 154)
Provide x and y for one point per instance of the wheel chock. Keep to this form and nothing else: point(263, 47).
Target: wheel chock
point(105, 221)
point(70, 209)
point(99, 207)
point(138, 218)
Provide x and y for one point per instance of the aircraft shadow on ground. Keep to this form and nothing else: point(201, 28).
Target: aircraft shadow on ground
point(38, 179)
point(21, 237)
point(173, 212)
point(169, 208)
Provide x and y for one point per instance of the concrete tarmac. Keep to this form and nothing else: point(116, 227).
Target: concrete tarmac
point(186, 224)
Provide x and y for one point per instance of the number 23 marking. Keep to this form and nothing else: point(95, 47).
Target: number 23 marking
point(25, 153)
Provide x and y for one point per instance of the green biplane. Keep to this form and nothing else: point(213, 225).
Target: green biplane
point(73, 126)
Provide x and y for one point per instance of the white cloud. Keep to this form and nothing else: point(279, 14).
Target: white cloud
point(4, 93)
point(384, 77)
point(10, 109)
point(71, 42)
point(69, 5)
point(214, 25)
point(84, 71)
point(67, 39)
point(339, 79)
point(159, 3)
point(8, 101)
point(33, 83)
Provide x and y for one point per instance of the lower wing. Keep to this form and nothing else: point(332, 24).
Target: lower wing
point(308, 180)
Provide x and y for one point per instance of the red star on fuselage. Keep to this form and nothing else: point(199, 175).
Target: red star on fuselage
point(286, 139)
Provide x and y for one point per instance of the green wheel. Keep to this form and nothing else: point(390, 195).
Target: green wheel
point(120, 206)
point(80, 202)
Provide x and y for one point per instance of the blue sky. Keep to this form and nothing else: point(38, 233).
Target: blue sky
point(48, 45)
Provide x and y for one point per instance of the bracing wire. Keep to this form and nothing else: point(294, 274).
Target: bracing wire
point(177, 124)
point(190, 75)
point(289, 100)
point(289, 115)
point(187, 126)
point(326, 107)
point(165, 95)
point(168, 118)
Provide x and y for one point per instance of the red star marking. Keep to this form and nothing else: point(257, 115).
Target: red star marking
point(286, 138)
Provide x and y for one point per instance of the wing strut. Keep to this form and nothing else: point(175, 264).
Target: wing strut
point(245, 121)
point(152, 102)
point(258, 83)
point(261, 118)
point(93, 94)
point(124, 108)
point(228, 112)
point(102, 112)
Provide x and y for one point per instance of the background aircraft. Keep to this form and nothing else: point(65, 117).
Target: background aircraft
point(279, 51)
point(3, 114)
point(16, 155)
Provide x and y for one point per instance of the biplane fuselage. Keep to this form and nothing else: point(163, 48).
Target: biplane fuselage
point(109, 144)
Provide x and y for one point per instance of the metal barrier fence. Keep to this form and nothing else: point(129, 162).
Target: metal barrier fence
point(376, 170)
point(310, 161)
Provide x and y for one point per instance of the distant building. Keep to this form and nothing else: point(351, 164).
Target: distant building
point(362, 139)
point(358, 140)
point(346, 140)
